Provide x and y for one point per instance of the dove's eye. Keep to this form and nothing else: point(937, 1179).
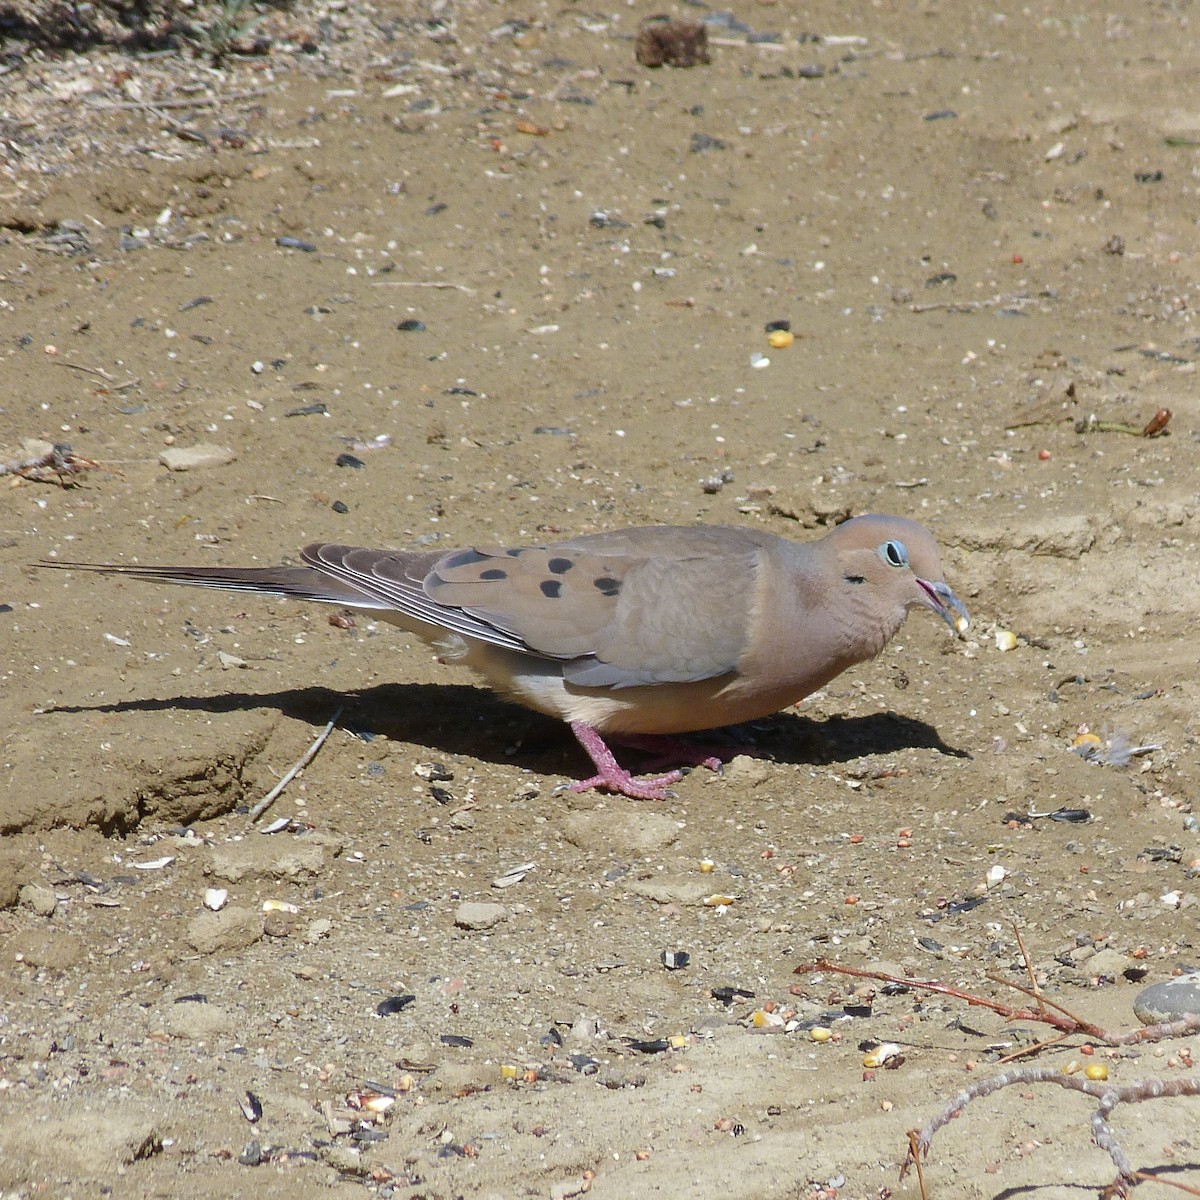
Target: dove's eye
point(894, 554)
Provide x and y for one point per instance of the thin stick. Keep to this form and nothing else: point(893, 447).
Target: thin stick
point(61, 362)
point(1063, 1020)
point(199, 102)
point(433, 283)
point(914, 1156)
point(302, 762)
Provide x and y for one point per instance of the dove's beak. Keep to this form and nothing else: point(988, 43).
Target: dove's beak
point(946, 604)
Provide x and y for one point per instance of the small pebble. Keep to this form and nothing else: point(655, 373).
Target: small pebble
point(473, 914)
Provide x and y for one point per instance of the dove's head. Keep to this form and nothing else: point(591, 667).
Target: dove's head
point(898, 560)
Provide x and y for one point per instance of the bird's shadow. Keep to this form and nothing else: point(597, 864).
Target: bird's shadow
point(460, 719)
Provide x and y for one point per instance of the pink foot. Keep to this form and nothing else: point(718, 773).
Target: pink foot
point(612, 777)
point(672, 750)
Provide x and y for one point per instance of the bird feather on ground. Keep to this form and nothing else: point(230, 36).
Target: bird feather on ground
point(634, 635)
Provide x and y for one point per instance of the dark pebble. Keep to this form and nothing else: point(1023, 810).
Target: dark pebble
point(727, 995)
point(309, 410)
point(291, 243)
point(701, 143)
point(393, 1004)
point(456, 1039)
point(778, 327)
point(339, 507)
point(938, 280)
point(348, 460)
point(943, 114)
point(657, 1046)
point(251, 1155)
point(411, 326)
point(199, 302)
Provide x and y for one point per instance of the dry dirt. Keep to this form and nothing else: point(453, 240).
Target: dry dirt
point(981, 221)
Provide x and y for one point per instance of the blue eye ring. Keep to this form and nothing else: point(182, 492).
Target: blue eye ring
point(894, 553)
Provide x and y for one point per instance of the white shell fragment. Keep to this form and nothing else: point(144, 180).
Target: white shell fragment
point(155, 864)
point(1005, 640)
point(279, 906)
point(882, 1054)
point(513, 875)
point(216, 898)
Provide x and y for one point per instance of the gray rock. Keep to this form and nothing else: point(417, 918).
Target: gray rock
point(474, 914)
point(1107, 963)
point(675, 889)
point(1169, 1000)
point(192, 458)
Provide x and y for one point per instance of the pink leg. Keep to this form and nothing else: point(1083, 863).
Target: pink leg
point(611, 776)
point(672, 750)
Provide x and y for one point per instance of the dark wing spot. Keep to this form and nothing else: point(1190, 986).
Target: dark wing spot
point(560, 566)
point(516, 552)
point(465, 558)
point(607, 585)
point(493, 573)
point(855, 579)
point(551, 588)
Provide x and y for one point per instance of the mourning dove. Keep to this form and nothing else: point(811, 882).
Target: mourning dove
point(634, 634)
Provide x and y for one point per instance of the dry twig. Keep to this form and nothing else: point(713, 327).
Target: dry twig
point(1109, 1096)
point(1061, 1018)
point(298, 766)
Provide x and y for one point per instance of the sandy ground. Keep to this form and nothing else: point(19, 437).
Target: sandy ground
point(980, 221)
